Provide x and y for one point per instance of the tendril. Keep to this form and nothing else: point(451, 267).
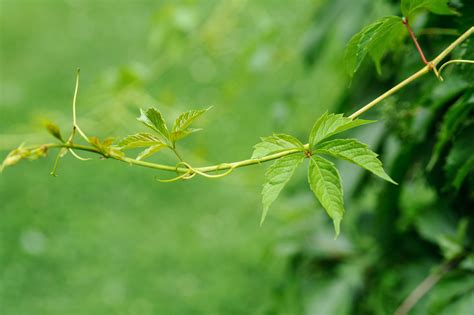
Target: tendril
point(452, 62)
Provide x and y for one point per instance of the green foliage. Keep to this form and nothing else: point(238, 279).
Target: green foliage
point(331, 124)
point(409, 7)
point(180, 127)
point(275, 144)
point(323, 176)
point(355, 152)
point(375, 40)
point(325, 182)
point(153, 119)
point(140, 140)
point(453, 121)
point(277, 176)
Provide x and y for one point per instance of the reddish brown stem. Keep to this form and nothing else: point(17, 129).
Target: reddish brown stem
point(413, 37)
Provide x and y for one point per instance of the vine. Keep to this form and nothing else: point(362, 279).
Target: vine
point(286, 151)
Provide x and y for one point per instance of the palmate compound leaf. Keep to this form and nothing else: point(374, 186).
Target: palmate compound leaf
point(325, 182)
point(181, 125)
point(277, 176)
point(376, 40)
point(355, 152)
point(330, 124)
point(153, 119)
point(274, 144)
point(441, 7)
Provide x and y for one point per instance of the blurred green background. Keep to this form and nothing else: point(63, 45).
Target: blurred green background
point(106, 238)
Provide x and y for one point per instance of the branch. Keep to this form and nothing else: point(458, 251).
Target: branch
point(190, 172)
point(426, 285)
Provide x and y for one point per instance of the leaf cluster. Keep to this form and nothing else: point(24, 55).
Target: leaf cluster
point(323, 177)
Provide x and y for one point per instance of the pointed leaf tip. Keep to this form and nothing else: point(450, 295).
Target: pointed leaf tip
point(355, 152)
point(325, 182)
point(277, 176)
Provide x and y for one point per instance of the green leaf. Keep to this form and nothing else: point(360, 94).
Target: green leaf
point(441, 7)
point(150, 151)
point(178, 135)
point(355, 152)
point(330, 124)
point(277, 175)
point(140, 140)
point(460, 160)
point(22, 153)
point(453, 121)
point(325, 182)
point(376, 40)
point(105, 147)
point(54, 130)
point(153, 119)
point(274, 144)
point(180, 127)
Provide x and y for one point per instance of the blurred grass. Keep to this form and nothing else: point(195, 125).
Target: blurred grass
point(104, 238)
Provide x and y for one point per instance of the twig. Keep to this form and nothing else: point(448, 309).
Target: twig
point(426, 285)
point(233, 165)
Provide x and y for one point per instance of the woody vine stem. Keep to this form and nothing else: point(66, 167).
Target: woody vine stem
point(186, 171)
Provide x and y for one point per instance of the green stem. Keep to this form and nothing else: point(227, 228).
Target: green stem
point(226, 166)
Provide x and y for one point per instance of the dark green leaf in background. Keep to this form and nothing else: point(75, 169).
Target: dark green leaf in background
point(376, 40)
point(409, 7)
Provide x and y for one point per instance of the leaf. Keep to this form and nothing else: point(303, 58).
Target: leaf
point(150, 151)
point(105, 147)
point(452, 121)
point(376, 40)
point(180, 127)
point(325, 182)
point(139, 140)
point(274, 144)
point(178, 135)
point(355, 152)
point(153, 119)
point(54, 130)
point(460, 160)
point(277, 175)
point(22, 153)
point(440, 7)
point(330, 124)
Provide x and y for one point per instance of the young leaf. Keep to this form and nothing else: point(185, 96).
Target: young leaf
point(54, 130)
point(153, 119)
point(330, 124)
point(105, 147)
point(150, 151)
point(274, 144)
point(139, 140)
point(21, 153)
point(178, 135)
point(355, 152)
point(441, 7)
point(180, 127)
point(325, 182)
point(376, 40)
point(277, 175)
